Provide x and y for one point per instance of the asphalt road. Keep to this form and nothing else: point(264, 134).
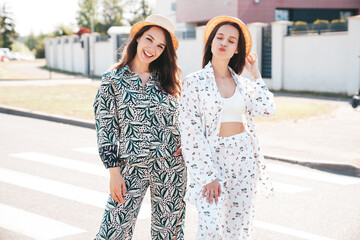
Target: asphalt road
point(53, 186)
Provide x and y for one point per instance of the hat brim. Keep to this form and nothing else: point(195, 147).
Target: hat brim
point(137, 26)
point(217, 20)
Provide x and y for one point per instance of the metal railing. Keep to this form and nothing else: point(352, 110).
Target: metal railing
point(317, 28)
point(103, 38)
point(186, 35)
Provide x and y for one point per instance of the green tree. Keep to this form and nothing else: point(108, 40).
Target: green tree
point(40, 48)
point(112, 14)
point(37, 43)
point(87, 9)
point(7, 28)
point(31, 41)
point(62, 30)
point(140, 10)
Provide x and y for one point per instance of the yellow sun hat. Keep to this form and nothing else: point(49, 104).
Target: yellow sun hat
point(220, 19)
point(157, 20)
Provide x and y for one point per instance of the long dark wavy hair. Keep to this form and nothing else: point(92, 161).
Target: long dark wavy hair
point(165, 65)
point(237, 62)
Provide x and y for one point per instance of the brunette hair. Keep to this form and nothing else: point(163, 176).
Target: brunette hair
point(165, 65)
point(237, 62)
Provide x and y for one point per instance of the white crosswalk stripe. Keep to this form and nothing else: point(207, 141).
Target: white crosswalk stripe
point(100, 171)
point(318, 176)
point(289, 231)
point(33, 225)
point(63, 190)
point(312, 175)
point(62, 162)
point(288, 188)
point(98, 199)
point(89, 150)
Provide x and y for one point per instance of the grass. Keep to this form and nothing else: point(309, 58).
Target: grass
point(290, 110)
point(69, 100)
point(315, 94)
point(76, 101)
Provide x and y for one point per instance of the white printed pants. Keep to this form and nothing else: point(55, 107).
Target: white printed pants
point(232, 217)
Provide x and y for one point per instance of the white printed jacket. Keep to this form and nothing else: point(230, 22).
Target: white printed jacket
point(200, 109)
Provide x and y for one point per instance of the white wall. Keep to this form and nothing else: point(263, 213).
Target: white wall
point(321, 63)
point(104, 57)
point(68, 58)
point(316, 63)
point(328, 62)
point(79, 58)
point(190, 53)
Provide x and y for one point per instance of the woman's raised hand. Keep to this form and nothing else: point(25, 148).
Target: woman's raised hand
point(251, 66)
point(212, 190)
point(117, 185)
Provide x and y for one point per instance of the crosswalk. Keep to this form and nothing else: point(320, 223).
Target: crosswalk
point(23, 221)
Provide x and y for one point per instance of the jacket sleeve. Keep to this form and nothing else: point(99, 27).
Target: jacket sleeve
point(261, 99)
point(195, 147)
point(106, 122)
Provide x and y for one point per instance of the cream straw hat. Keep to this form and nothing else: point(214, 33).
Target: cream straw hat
point(156, 20)
point(219, 19)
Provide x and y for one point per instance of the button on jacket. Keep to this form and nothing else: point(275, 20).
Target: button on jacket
point(132, 121)
point(200, 111)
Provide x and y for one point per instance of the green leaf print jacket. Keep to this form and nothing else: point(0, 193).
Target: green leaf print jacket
point(132, 121)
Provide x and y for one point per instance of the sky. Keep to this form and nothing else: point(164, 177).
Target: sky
point(42, 16)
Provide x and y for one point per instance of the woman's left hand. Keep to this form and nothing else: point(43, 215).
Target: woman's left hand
point(178, 152)
point(251, 66)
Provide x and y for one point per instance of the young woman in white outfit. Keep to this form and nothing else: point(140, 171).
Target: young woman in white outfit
point(218, 136)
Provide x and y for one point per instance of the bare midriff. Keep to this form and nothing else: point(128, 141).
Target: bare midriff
point(231, 128)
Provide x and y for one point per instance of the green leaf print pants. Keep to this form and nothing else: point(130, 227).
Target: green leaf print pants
point(167, 180)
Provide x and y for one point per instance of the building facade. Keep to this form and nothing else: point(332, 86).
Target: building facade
point(200, 11)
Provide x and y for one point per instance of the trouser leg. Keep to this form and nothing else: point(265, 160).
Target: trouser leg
point(119, 219)
point(168, 185)
point(238, 211)
point(209, 219)
point(240, 167)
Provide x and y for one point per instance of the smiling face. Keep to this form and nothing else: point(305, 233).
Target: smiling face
point(150, 45)
point(225, 43)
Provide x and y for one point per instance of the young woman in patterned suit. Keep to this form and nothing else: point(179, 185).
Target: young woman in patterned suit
point(218, 136)
point(136, 113)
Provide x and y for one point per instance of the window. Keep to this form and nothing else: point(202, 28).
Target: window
point(173, 6)
point(282, 15)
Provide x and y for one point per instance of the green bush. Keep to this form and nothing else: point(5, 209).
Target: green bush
point(320, 25)
point(300, 26)
point(338, 25)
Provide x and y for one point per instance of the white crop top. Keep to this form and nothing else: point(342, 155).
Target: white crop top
point(233, 108)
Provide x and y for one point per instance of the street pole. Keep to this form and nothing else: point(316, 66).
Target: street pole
point(92, 52)
point(49, 68)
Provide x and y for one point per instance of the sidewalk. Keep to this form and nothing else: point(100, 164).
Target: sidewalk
point(329, 142)
point(34, 70)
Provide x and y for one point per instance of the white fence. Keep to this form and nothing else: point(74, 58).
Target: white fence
point(323, 63)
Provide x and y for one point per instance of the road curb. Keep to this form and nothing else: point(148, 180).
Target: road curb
point(48, 117)
point(346, 169)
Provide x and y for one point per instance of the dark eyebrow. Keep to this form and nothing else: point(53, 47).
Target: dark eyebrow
point(154, 39)
point(223, 34)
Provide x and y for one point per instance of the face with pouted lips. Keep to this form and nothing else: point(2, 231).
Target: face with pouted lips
point(224, 45)
point(150, 45)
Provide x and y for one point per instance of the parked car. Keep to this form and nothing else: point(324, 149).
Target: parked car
point(355, 100)
point(5, 54)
